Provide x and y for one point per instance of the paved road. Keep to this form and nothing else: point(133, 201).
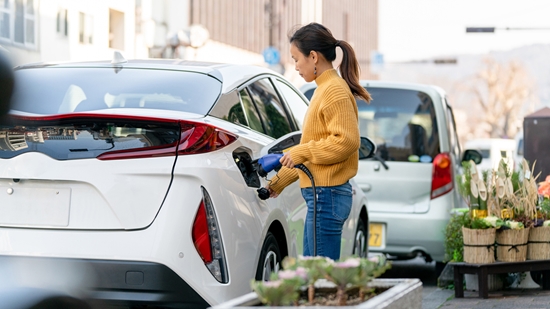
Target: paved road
point(434, 297)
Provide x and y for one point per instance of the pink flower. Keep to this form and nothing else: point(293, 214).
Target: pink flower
point(272, 284)
point(349, 263)
point(286, 274)
point(301, 272)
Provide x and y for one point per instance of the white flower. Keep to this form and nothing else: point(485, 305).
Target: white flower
point(546, 223)
point(492, 220)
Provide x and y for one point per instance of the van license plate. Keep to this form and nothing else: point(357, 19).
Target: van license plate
point(375, 235)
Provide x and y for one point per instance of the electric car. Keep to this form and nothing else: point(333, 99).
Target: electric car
point(410, 182)
point(144, 171)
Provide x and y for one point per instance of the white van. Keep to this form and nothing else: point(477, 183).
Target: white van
point(492, 150)
point(409, 184)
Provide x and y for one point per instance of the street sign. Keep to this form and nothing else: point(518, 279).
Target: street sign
point(271, 55)
point(376, 62)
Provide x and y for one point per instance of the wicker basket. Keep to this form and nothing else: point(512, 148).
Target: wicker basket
point(479, 245)
point(538, 247)
point(512, 245)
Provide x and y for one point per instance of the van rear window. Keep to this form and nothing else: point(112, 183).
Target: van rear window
point(402, 123)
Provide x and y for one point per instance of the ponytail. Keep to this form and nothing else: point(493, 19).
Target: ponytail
point(349, 69)
point(317, 37)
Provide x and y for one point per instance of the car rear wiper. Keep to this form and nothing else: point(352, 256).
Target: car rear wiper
point(382, 161)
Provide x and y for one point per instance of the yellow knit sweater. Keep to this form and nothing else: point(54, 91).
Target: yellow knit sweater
point(329, 147)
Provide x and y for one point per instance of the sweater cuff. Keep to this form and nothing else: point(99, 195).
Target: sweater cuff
point(284, 177)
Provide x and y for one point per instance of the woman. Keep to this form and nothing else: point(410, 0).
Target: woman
point(330, 137)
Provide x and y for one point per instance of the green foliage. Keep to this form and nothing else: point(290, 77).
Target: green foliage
point(453, 235)
point(284, 287)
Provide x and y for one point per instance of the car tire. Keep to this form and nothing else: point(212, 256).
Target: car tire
point(361, 244)
point(270, 258)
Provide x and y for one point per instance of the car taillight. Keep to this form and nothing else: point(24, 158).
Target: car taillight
point(207, 239)
point(195, 138)
point(442, 175)
point(201, 138)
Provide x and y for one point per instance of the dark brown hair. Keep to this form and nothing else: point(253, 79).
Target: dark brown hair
point(316, 37)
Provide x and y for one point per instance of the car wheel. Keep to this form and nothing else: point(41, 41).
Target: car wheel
point(361, 246)
point(270, 258)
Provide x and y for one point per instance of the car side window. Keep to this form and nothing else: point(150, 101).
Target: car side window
point(230, 108)
point(294, 101)
point(250, 111)
point(270, 108)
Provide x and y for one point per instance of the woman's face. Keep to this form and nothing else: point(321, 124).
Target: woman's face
point(304, 65)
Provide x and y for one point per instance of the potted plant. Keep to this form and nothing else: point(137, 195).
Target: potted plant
point(319, 281)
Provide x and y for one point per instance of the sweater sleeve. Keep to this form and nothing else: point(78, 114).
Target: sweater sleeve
point(343, 139)
point(284, 177)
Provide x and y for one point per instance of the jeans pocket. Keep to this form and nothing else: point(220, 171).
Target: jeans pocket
point(341, 203)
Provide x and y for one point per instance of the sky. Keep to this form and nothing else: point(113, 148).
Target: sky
point(427, 29)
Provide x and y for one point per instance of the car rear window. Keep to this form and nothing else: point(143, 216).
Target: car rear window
point(48, 91)
point(85, 138)
point(402, 124)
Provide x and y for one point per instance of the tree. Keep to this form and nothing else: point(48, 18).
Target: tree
point(505, 93)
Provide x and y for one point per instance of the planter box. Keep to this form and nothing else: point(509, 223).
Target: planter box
point(402, 294)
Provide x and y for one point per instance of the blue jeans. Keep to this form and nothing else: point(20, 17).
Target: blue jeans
point(333, 208)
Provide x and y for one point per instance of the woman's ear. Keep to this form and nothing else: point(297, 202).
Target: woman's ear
point(313, 55)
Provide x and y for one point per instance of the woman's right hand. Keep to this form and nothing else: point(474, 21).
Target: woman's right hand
point(272, 193)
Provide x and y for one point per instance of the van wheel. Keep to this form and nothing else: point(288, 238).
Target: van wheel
point(361, 245)
point(270, 258)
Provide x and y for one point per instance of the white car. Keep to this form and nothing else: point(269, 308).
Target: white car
point(410, 182)
point(144, 173)
point(493, 150)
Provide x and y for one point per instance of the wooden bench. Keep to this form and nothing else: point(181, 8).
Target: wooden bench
point(484, 270)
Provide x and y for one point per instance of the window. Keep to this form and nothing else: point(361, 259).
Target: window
point(18, 21)
point(297, 105)
point(230, 108)
point(251, 113)
point(116, 29)
point(62, 22)
point(85, 29)
point(401, 122)
point(453, 136)
point(85, 89)
point(4, 19)
point(270, 108)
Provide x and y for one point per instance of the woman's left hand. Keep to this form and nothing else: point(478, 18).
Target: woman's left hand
point(286, 160)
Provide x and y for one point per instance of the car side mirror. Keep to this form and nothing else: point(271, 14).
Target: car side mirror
point(367, 149)
point(472, 154)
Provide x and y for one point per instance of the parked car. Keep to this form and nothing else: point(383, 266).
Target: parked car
point(410, 182)
point(493, 150)
point(143, 171)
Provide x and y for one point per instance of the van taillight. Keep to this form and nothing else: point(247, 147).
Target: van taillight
point(442, 175)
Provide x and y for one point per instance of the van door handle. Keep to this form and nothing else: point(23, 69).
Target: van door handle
point(366, 188)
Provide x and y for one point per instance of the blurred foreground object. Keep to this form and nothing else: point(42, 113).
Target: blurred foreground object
point(6, 83)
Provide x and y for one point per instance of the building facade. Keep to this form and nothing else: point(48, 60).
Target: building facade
point(66, 30)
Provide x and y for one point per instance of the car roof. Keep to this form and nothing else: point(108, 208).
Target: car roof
point(231, 75)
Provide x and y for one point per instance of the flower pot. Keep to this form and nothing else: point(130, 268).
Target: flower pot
point(479, 245)
point(538, 247)
point(512, 245)
point(400, 293)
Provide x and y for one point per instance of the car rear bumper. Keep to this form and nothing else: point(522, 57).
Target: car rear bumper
point(407, 234)
point(105, 282)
